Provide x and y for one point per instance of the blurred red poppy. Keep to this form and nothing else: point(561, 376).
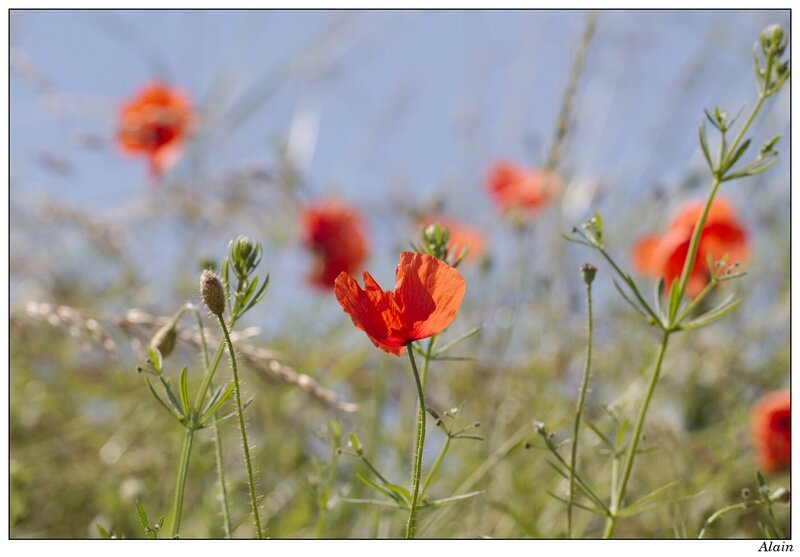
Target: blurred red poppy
point(155, 122)
point(514, 187)
point(334, 234)
point(771, 420)
point(461, 236)
point(426, 298)
point(664, 255)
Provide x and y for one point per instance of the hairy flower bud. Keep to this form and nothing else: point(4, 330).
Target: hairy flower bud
point(164, 339)
point(212, 292)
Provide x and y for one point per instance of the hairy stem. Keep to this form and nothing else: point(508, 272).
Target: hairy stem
point(418, 446)
point(245, 446)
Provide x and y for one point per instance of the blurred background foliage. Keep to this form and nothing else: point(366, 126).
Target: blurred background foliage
point(399, 114)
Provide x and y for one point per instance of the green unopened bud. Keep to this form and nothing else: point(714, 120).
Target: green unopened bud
point(771, 39)
point(588, 271)
point(212, 292)
point(245, 255)
point(164, 339)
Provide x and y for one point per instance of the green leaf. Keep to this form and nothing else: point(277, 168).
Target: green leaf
point(102, 531)
point(704, 145)
point(355, 443)
point(720, 311)
point(142, 516)
point(453, 499)
point(658, 289)
point(371, 502)
point(595, 510)
point(647, 499)
point(177, 405)
point(737, 155)
point(214, 406)
point(379, 489)
point(674, 299)
point(471, 333)
point(183, 391)
point(401, 491)
point(173, 411)
point(621, 432)
point(761, 480)
point(606, 441)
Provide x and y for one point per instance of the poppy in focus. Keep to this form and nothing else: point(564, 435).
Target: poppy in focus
point(514, 187)
point(664, 255)
point(461, 236)
point(334, 234)
point(425, 300)
point(154, 123)
point(771, 420)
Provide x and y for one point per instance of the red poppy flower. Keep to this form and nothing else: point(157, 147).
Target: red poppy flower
point(425, 300)
point(515, 187)
point(154, 123)
point(333, 232)
point(664, 256)
point(771, 420)
point(461, 236)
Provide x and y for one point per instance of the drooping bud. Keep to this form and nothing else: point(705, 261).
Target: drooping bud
point(212, 292)
point(164, 339)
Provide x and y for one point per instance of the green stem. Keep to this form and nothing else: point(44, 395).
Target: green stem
point(245, 447)
point(436, 464)
point(226, 516)
point(418, 446)
point(579, 409)
point(739, 136)
point(180, 482)
point(720, 513)
point(688, 264)
point(426, 363)
point(618, 499)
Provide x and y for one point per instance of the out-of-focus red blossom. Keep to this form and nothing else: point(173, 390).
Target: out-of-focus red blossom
point(334, 233)
point(425, 300)
point(771, 420)
point(154, 123)
point(664, 255)
point(513, 187)
point(461, 236)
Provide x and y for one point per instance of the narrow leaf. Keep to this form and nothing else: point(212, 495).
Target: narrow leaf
point(142, 515)
point(704, 145)
point(379, 489)
point(172, 411)
point(649, 498)
point(717, 313)
point(215, 406)
point(471, 333)
point(737, 155)
point(102, 531)
point(453, 499)
point(401, 491)
point(183, 391)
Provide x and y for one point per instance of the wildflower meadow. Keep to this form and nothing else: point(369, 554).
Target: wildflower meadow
point(400, 274)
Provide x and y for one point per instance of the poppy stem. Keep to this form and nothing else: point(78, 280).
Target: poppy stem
point(240, 412)
point(418, 446)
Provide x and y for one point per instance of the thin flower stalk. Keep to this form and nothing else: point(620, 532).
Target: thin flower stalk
point(588, 272)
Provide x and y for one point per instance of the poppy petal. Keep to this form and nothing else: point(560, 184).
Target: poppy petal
point(366, 308)
point(428, 293)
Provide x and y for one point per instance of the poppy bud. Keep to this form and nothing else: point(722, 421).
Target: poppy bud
point(212, 292)
point(164, 339)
